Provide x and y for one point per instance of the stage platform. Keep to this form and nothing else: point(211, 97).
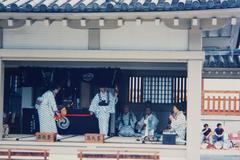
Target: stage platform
point(70, 144)
point(68, 147)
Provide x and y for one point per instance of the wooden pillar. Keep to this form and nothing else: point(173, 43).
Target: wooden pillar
point(1, 97)
point(194, 109)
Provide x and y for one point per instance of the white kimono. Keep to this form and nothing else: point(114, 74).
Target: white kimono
point(179, 125)
point(46, 110)
point(103, 112)
point(126, 124)
point(151, 123)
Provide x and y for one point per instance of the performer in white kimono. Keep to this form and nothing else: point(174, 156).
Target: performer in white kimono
point(148, 124)
point(178, 122)
point(102, 105)
point(126, 123)
point(47, 109)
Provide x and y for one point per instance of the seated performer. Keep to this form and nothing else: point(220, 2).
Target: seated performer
point(148, 124)
point(218, 134)
point(206, 134)
point(178, 122)
point(102, 105)
point(126, 123)
point(47, 109)
point(5, 125)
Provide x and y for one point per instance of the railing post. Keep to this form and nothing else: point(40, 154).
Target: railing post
point(235, 104)
point(224, 104)
point(219, 104)
point(214, 101)
point(117, 155)
point(45, 154)
point(9, 154)
point(208, 105)
point(229, 104)
point(80, 155)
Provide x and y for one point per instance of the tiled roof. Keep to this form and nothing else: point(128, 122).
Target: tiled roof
point(112, 5)
point(222, 59)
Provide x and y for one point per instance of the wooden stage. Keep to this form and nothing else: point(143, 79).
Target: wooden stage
point(70, 144)
point(68, 147)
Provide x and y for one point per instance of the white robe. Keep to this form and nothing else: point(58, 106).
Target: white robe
point(46, 110)
point(151, 123)
point(126, 124)
point(179, 125)
point(103, 112)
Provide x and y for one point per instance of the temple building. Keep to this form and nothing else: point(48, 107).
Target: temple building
point(164, 51)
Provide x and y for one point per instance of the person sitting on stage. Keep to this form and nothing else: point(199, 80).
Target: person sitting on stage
point(126, 123)
point(5, 125)
point(102, 105)
point(47, 109)
point(218, 134)
point(148, 124)
point(178, 123)
point(206, 134)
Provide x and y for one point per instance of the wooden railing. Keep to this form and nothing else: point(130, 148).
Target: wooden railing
point(118, 154)
point(23, 154)
point(221, 102)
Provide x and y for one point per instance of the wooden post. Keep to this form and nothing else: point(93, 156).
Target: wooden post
point(203, 101)
point(9, 154)
point(214, 101)
point(224, 104)
point(45, 154)
point(118, 155)
point(219, 104)
point(235, 104)
point(81, 155)
point(229, 104)
point(208, 105)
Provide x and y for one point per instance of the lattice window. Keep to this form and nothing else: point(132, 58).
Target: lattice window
point(157, 89)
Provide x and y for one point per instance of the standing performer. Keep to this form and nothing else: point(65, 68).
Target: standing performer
point(126, 123)
point(102, 105)
point(47, 109)
point(148, 124)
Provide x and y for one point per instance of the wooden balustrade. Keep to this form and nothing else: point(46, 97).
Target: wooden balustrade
point(118, 154)
point(23, 154)
point(221, 102)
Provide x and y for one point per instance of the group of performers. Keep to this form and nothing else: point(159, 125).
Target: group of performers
point(146, 127)
point(102, 106)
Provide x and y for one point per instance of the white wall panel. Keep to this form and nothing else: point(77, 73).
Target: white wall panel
point(144, 37)
point(39, 36)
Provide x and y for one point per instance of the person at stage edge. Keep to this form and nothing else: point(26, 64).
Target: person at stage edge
point(126, 123)
point(148, 124)
point(178, 123)
point(47, 110)
point(102, 105)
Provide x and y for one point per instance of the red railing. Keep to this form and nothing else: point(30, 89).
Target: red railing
point(221, 102)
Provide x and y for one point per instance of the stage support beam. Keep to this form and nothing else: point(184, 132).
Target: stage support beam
point(194, 39)
point(1, 97)
point(94, 39)
point(194, 109)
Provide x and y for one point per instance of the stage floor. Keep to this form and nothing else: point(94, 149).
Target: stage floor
point(70, 144)
point(80, 139)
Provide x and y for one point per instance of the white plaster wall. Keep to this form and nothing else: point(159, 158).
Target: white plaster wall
point(222, 84)
point(144, 37)
point(39, 36)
